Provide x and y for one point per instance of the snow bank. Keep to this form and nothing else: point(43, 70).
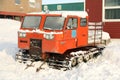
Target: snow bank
point(105, 36)
point(105, 67)
point(8, 30)
point(112, 52)
point(8, 35)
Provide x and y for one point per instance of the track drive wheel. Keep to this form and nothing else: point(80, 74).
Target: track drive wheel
point(73, 62)
point(80, 59)
point(86, 57)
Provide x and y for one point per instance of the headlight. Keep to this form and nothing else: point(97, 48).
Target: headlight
point(22, 34)
point(48, 36)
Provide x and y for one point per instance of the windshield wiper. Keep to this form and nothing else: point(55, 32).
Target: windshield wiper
point(47, 28)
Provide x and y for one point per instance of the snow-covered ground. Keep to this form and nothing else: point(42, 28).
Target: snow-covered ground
point(105, 67)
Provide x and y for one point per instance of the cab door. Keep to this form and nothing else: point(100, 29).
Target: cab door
point(70, 32)
point(82, 32)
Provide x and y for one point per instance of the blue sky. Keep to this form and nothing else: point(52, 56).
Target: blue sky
point(60, 1)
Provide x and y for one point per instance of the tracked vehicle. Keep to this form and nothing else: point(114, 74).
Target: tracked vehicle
point(62, 39)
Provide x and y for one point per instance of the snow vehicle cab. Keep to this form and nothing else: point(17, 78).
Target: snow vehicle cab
point(55, 36)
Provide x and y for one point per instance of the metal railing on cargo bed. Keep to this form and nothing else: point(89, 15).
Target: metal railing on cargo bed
point(95, 33)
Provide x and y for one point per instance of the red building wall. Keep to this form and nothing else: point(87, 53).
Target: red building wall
point(94, 9)
point(113, 28)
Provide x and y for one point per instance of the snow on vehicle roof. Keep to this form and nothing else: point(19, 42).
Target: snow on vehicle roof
point(64, 13)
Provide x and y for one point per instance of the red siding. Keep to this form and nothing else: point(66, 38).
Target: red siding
point(94, 9)
point(113, 28)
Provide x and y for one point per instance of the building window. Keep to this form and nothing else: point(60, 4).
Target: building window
point(17, 1)
point(111, 10)
point(59, 7)
point(45, 8)
point(112, 13)
point(38, 5)
point(112, 2)
point(32, 3)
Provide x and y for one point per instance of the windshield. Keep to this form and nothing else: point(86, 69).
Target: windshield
point(31, 22)
point(54, 23)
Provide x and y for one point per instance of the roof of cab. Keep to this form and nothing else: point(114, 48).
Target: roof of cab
point(64, 13)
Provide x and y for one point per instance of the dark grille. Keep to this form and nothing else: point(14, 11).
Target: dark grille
point(35, 43)
point(35, 47)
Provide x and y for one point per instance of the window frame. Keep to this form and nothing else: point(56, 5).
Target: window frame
point(104, 8)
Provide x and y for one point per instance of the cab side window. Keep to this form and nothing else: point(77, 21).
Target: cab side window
point(72, 23)
point(83, 22)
